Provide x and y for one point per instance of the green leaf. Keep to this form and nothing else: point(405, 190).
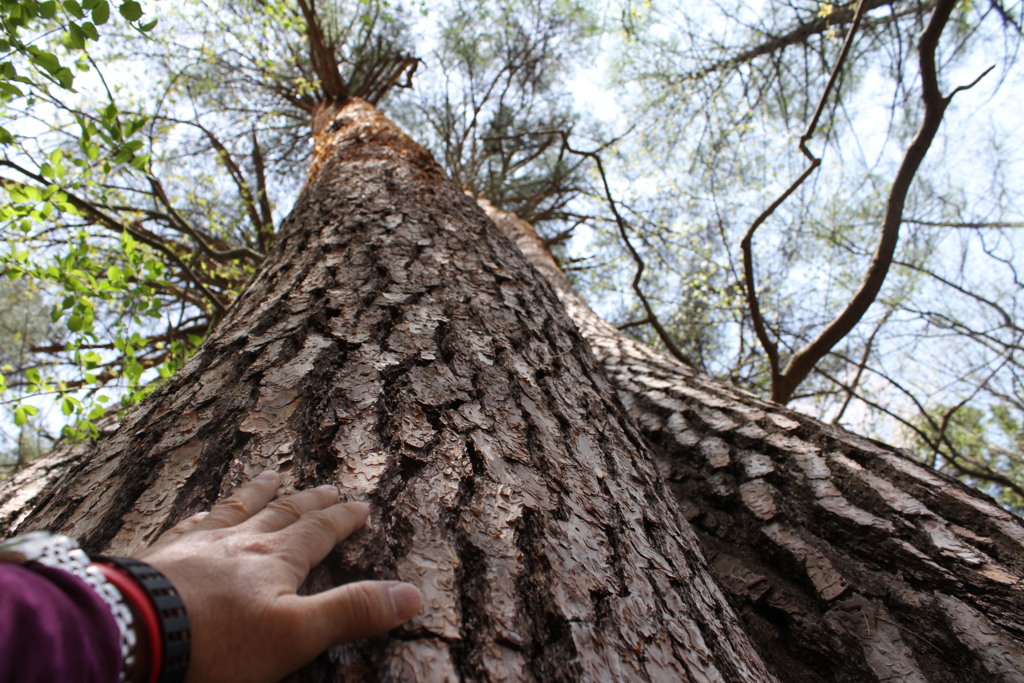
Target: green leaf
point(134, 371)
point(101, 12)
point(75, 36)
point(9, 89)
point(129, 243)
point(131, 10)
point(90, 30)
point(74, 9)
point(45, 60)
point(65, 77)
point(134, 126)
point(68, 404)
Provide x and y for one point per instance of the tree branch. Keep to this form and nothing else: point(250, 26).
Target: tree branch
point(184, 226)
point(321, 55)
point(803, 361)
point(652, 317)
point(746, 245)
point(799, 34)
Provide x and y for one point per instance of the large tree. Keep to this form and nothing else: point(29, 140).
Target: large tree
point(395, 342)
point(157, 203)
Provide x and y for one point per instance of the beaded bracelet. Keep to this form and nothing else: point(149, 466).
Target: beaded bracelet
point(125, 585)
point(62, 552)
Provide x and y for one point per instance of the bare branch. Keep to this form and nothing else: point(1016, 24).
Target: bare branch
point(184, 226)
point(800, 34)
point(967, 225)
point(865, 356)
point(746, 245)
point(803, 361)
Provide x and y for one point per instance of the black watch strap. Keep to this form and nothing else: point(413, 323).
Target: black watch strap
point(170, 610)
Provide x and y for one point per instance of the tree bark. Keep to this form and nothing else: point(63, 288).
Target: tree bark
point(396, 344)
point(845, 559)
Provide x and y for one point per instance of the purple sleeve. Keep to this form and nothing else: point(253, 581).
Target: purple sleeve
point(54, 627)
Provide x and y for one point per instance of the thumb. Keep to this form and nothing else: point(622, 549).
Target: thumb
point(360, 610)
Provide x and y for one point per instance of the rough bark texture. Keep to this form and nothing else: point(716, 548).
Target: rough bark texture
point(846, 560)
point(395, 343)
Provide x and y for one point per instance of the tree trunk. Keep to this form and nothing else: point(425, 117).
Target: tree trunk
point(395, 343)
point(846, 560)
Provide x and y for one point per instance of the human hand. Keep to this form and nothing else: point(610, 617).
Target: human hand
point(237, 569)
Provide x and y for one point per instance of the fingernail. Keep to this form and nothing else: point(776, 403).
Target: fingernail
point(406, 600)
point(267, 475)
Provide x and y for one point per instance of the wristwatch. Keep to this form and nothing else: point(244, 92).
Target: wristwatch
point(62, 552)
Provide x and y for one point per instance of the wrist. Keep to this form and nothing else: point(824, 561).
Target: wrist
point(149, 615)
point(164, 633)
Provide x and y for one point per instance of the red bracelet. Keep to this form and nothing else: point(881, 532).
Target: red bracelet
point(144, 608)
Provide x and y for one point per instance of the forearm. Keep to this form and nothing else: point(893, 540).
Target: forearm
point(54, 627)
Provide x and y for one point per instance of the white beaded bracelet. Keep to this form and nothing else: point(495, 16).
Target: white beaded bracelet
point(62, 552)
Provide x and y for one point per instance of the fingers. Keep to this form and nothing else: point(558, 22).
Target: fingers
point(242, 504)
point(357, 610)
point(289, 509)
point(304, 544)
